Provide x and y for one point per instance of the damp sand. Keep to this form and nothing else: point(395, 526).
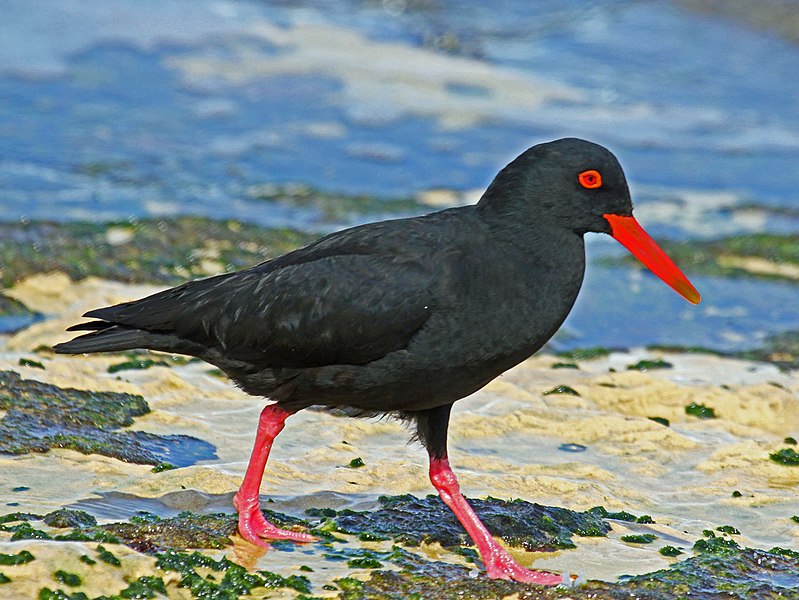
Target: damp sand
point(509, 440)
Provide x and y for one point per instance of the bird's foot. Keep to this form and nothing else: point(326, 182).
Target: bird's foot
point(501, 565)
point(254, 528)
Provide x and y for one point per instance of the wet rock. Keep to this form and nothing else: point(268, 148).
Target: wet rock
point(64, 518)
point(14, 315)
point(150, 534)
point(40, 416)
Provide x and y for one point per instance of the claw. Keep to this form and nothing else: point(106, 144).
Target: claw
point(254, 527)
point(505, 567)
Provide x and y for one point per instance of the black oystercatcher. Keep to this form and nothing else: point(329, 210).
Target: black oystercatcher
point(403, 316)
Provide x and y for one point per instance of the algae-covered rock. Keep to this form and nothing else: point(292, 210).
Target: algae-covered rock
point(412, 520)
point(152, 250)
point(40, 416)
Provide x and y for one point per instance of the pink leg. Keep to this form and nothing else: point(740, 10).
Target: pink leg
point(498, 563)
point(252, 524)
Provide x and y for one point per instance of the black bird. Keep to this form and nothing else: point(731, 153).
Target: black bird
point(403, 316)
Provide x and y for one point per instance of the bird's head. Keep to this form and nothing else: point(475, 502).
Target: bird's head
point(580, 186)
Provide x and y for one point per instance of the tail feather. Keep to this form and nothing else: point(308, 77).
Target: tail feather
point(91, 326)
point(114, 338)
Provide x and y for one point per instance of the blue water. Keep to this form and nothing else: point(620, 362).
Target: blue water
point(104, 115)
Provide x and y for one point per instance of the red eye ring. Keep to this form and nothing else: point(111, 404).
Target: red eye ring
point(590, 179)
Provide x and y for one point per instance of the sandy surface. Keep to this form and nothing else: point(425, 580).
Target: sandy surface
point(504, 441)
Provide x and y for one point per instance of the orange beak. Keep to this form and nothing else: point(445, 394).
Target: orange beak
point(632, 236)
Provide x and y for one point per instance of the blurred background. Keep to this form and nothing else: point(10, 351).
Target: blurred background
point(315, 115)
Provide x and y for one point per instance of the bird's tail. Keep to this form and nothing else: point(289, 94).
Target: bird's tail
point(105, 337)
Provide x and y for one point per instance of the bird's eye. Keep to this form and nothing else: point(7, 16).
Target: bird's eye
point(590, 179)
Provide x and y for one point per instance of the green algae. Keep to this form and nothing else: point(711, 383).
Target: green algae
point(108, 557)
point(565, 365)
point(28, 362)
point(661, 421)
point(40, 416)
point(146, 586)
point(26, 531)
point(136, 364)
point(784, 552)
point(356, 463)
point(728, 529)
point(648, 365)
point(138, 360)
point(20, 558)
point(235, 580)
point(787, 456)
point(639, 538)
point(163, 466)
point(165, 251)
point(716, 546)
point(413, 521)
point(700, 411)
point(670, 551)
point(585, 353)
point(17, 516)
point(4, 578)
point(562, 389)
point(70, 579)
point(620, 515)
point(364, 563)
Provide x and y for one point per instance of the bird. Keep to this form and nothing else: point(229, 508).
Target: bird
point(401, 317)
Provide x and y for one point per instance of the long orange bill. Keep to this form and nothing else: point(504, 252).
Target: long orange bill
point(632, 236)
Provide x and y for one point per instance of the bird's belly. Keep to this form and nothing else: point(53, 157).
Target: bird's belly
point(399, 382)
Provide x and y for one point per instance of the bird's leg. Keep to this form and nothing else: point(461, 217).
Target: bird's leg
point(252, 524)
point(498, 563)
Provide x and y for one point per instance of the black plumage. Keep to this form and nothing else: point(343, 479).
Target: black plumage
point(403, 316)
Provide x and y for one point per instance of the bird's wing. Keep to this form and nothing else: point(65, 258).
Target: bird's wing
point(330, 303)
